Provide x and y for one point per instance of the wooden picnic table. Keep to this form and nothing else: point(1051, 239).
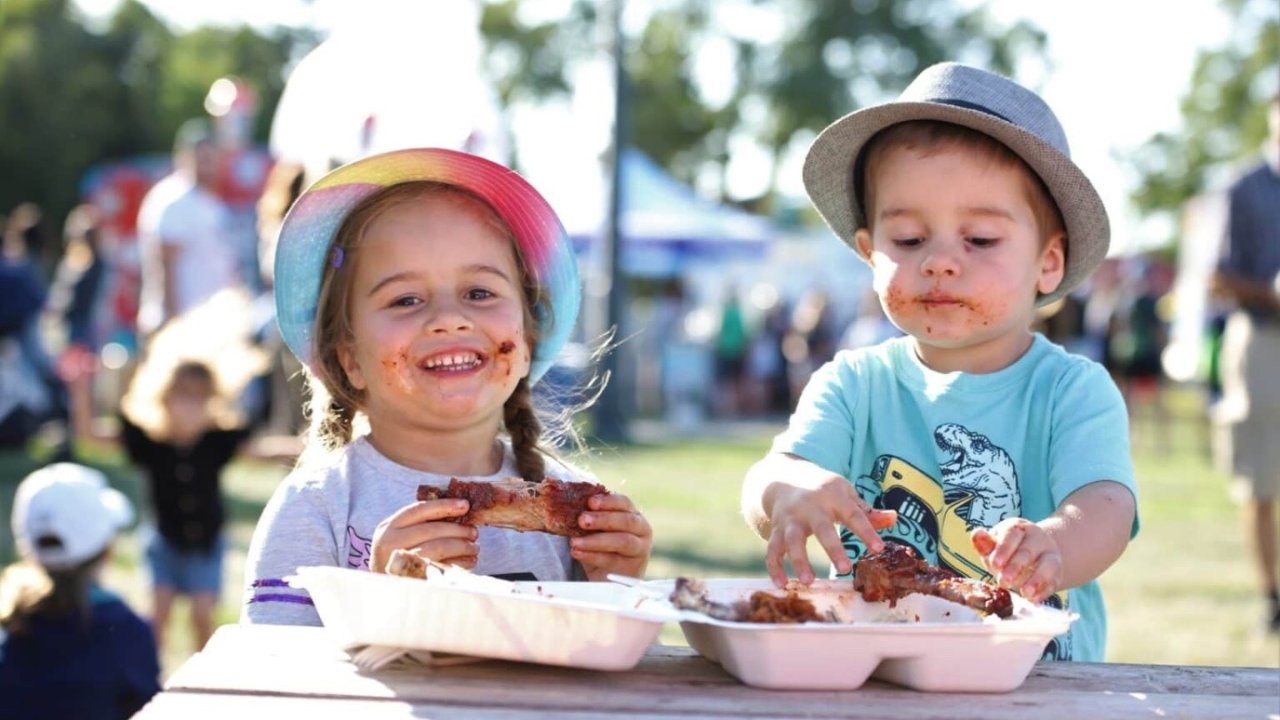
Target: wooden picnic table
point(286, 672)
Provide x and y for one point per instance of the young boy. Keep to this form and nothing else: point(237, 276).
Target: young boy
point(989, 450)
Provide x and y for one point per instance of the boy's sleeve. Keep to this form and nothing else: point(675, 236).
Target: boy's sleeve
point(294, 531)
point(821, 428)
point(1090, 436)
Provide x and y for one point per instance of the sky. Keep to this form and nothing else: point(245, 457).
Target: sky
point(1118, 72)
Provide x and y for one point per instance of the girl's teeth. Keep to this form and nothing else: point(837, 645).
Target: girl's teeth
point(464, 359)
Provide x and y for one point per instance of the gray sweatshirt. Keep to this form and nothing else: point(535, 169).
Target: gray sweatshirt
point(326, 515)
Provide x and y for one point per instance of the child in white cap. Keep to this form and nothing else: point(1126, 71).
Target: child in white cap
point(68, 648)
point(985, 447)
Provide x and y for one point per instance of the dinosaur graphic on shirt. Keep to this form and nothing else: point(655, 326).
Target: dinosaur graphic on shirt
point(980, 469)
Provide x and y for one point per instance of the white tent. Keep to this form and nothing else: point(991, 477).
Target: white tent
point(394, 74)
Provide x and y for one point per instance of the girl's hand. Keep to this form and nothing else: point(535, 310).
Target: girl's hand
point(1022, 557)
point(620, 540)
point(419, 526)
point(800, 511)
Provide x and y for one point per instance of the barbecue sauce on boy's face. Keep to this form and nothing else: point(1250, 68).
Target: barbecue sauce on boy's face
point(956, 256)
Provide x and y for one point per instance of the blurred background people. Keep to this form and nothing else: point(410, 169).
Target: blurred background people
point(68, 647)
point(1248, 437)
point(72, 311)
point(188, 251)
point(182, 422)
point(731, 345)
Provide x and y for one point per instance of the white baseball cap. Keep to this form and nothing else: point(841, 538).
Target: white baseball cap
point(65, 514)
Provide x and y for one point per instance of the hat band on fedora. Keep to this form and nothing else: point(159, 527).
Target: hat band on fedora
point(972, 106)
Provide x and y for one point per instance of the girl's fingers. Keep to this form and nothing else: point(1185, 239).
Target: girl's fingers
point(422, 533)
point(610, 501)
point(615, 521)
point(1044, 581)
point(448, 550)
point(624, 544)
point(426, 511)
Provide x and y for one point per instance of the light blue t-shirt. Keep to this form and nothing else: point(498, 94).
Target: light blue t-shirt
point(954, 451)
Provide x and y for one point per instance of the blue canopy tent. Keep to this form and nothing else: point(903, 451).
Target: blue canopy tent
point(665, 226)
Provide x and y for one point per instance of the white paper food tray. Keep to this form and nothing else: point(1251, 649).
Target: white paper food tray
point(924, 642)
point(574, 624)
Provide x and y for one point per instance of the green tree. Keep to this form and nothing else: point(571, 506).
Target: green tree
point(72, 96)
point(1223, 115)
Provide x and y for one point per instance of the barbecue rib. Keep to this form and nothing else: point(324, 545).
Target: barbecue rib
point(551, 506)
point(896, 572)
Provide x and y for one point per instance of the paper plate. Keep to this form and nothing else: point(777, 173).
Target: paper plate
point(572, 624)
point(924, 642)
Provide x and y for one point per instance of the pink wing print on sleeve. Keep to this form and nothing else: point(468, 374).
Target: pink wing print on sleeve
point(358, 550)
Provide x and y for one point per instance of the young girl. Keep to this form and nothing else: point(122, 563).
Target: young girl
point(68, 648)
point(426, 291)
point(180, 426)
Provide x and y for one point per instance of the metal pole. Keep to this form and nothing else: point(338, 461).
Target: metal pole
point(610, 420)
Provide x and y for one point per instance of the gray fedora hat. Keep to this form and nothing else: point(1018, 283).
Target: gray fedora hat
point(988, 103)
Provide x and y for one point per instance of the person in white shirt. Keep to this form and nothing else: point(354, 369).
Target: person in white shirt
point(184, 233)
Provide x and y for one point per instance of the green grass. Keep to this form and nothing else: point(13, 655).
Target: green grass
point(1183, 593)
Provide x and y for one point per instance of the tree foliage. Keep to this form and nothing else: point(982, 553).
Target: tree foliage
point(1223, 114)
point(72, 96)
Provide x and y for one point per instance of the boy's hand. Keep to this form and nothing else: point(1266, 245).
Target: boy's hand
point(814, 509)
point(620, 540)
point(1022, 556)
point(419, 525)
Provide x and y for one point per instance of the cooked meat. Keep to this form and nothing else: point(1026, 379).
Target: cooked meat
point(761, 607)
point(896, 572)
point(551, 506)
point(406, 564)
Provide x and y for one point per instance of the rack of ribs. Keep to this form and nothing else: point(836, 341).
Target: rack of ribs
point(896, 572)
point(551, 506)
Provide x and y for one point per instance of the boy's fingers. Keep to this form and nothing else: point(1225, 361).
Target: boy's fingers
point(982, 541)
point(796, 540)
point(883, 519)
point(773, 559)
point(1008, 541)
point(830, 541)
point(859, 524)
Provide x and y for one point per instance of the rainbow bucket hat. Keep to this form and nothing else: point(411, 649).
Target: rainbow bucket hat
point(312, 225)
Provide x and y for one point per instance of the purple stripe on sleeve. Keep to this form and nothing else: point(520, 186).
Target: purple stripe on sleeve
point(271, 582)
point(281, 597)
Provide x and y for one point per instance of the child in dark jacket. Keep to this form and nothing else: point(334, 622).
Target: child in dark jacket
point(69, 648)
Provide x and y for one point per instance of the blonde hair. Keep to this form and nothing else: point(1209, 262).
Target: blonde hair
point(334, 409)
point(29, 590)
point(210, 340)
point(933, 136)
